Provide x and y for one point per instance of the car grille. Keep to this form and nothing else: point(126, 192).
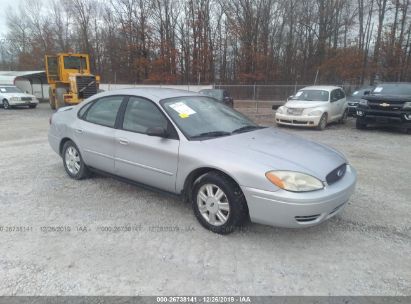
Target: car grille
point(86, 86)
point(336, 174)
point(294, 111)
point(26, 98)
point(384, 106)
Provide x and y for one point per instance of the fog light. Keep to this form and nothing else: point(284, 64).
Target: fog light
point(360, 113)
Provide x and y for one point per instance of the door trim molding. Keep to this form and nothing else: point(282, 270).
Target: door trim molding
point(143, 166)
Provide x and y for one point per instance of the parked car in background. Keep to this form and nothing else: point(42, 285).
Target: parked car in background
point(222, 96)
point(314, 106)
point(355, 98)
point(11, 96)
point(187, 144)
point(387, 104)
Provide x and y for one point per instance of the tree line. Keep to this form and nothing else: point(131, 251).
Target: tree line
point(217, 41)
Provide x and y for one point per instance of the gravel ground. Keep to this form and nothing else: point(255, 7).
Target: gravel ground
point(104, 237)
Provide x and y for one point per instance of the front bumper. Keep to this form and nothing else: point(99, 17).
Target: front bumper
point(23, 102)
point(295, 210)
point(294, 120)
point(384, 117)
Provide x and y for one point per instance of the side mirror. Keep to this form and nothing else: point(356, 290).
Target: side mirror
point(290, 97)
point(157, 131)
point(275, 107)
point(367, 93)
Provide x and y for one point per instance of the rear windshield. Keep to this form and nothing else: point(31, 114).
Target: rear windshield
point(10, 90)
point(311, 95)
point(392, 89)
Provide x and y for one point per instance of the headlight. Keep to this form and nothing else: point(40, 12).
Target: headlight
point(363, 102)
point(294, 181)
point(315, 113)
point(407, 105)
point(281, 110)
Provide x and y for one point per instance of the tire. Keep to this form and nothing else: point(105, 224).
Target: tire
point(71, 156)
point(60, 97)
point(323, 122)
point(344, 117)
point(360, 125)
point(6, 105)
point(32, 106)
point(52, 99)
point(220, 214)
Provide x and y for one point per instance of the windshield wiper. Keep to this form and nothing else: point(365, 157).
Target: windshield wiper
point(211, 134)
point(246, 128)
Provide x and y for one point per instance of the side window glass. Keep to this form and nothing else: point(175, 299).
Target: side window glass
point(141, 115)
point(342, 94)
point(104, 111)
point(84, 109)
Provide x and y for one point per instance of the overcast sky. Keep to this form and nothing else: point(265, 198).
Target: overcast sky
point(5, 4)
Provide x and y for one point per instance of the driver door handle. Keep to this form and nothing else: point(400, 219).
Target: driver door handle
point(123, 141)
point(79, 131)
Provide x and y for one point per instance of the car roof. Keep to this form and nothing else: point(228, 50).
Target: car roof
point(323, 87)
point(7, 85)
point(154, 94)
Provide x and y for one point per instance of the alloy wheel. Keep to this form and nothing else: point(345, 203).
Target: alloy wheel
point(72, 159)
point(213, 204)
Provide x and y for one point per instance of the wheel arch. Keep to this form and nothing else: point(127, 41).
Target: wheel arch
point(62, 142)
point(196, 174)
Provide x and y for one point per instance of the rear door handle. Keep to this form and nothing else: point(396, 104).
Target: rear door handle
point(79, 131)
point(123, 141)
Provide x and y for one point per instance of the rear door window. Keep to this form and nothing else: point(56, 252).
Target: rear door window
point(104, 111)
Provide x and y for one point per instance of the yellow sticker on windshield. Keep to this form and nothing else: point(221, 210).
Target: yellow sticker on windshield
point(184, 115)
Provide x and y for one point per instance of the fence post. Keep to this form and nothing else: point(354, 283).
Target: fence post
point(256, 104)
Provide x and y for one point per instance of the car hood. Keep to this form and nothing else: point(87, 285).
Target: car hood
point(304, 104)
point(17, 95)
point(280, 151)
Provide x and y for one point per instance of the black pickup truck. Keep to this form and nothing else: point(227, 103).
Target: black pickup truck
point(387, 104)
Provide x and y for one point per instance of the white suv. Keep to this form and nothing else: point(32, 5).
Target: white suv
point(11, 96)
point(314, 106)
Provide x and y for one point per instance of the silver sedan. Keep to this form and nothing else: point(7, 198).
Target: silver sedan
point(229, 168)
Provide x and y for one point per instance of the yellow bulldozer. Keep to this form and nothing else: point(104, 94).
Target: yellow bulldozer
point(70, 79)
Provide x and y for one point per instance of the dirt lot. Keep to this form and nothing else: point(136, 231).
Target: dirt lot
point(103, 237)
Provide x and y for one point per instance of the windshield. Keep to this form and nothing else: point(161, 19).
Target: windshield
point(393, 89)
point(217, 94)
point(202, 117)
point(311, 95)
point(75, 63)
point(10, 90)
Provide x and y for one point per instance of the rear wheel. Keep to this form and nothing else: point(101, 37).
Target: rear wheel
point(359, 124)
point(60, 97)
point(218, 203)
point(32, 106)
point(323, 122)
point(73, 162)
point(52, 99)
point(6, 104)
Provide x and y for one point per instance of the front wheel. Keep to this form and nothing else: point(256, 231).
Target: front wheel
point(323, 122)
point(218, 203)
point(6, 104)
point(344, 117)
point(73, 162)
